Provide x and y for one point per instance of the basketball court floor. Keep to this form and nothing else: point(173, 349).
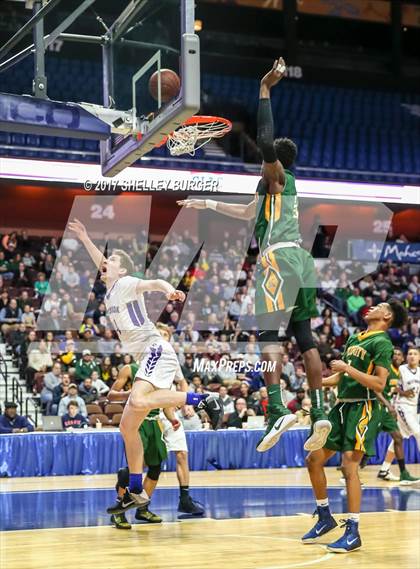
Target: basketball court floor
point(255, 519)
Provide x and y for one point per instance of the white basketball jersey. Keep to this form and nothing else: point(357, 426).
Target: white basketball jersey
point(127, 312)
point(409, 379)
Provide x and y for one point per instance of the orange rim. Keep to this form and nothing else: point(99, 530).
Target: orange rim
point(196, 119)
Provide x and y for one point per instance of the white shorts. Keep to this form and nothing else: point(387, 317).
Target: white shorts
point(408, 421)
point(158, 365)
point(174, 440)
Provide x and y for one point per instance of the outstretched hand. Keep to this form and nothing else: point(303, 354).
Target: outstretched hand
point(275, 74)
point(195, 204)
point(77, 227)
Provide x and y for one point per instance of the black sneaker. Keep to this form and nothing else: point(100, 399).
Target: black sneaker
point(128, 501)
point(213, 406)
point(145, 515)
point(191, 507)
point(120, 521)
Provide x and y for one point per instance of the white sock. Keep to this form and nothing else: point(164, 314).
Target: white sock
point(386, 466)
point(354, 517)
point(323, 503)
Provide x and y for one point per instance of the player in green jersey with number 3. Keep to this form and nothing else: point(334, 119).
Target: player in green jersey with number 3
point(286, 284)
point(355, 419)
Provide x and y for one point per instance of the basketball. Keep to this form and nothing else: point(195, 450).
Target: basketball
point(170, 84)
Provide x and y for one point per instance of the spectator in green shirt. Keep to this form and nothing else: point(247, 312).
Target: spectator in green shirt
point(42, 286)
point(85, 366)
point(354, 303)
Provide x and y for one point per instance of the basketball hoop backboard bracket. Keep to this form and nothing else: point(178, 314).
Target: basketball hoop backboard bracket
point(170, 116)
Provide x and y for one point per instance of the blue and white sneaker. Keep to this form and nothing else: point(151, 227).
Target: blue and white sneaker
point(350, 541)
point(324, 524)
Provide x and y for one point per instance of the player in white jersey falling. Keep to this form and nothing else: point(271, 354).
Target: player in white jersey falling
point(406, 402)
point(157, 360)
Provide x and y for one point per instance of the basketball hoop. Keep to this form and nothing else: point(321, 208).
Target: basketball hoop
point(195, 133)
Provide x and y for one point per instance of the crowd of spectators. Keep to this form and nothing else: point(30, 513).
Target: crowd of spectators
point(78, 355)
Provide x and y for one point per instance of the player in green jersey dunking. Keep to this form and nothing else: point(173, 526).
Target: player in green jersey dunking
point(286, 284)
point(389, 424)
point(355, 419)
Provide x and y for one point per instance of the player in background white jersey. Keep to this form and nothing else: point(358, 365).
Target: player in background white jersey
point(156, 357)
point(406, 402)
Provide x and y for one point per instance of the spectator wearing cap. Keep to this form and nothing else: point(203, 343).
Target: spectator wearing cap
point(73, 419)
point(11, 422)
point(296, 403)
point(85, 366)
point(72, 395)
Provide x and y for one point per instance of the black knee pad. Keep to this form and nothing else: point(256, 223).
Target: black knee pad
point(270, 323)
point(123, 476)
point(303, 334)
point(269, 336)
point(154, 472)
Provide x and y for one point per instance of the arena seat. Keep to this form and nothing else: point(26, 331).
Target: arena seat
point(116, 419)
point(112, 408)
point(93, 409)
point(93, 419)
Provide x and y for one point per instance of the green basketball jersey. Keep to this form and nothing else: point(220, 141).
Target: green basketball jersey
point(134, 369)
point(364, 351)
point(278, 216)
point(391, 382)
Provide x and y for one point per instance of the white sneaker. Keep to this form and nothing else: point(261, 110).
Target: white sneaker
point(320, 431)
point(271, 437)
point(388, 476)
point(141, 500)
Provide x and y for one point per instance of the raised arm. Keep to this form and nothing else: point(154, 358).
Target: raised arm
point(159, 285)
point(375, 382)
point(80, 230)
point(273, 170)
point(236, 210)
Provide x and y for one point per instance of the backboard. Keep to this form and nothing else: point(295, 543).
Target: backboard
point(152, 35)
point(147, 36)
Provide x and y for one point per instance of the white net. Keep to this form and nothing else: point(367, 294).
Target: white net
point(190, 137)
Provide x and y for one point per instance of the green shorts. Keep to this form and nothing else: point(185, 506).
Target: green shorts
point(286, 287)
point(154, 447)
point(355, 426)
point(387, 422)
